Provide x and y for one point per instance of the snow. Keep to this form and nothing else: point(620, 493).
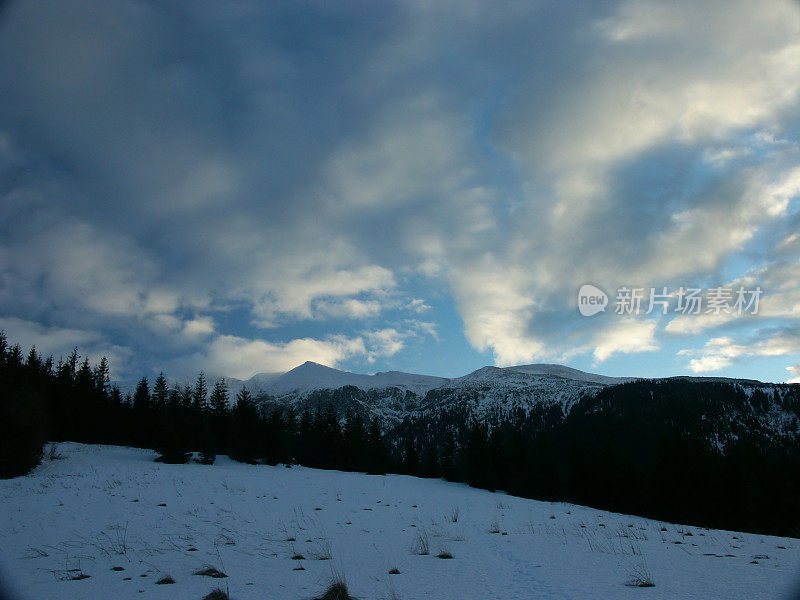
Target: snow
point(568, 373)
point(311, 376)
point(102, 506)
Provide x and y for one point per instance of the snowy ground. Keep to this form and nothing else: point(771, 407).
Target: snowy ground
point(104, 507)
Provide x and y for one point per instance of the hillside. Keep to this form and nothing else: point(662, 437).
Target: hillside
point(394, 396)
point(108, 522)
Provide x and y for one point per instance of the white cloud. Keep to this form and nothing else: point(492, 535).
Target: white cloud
point(625, 337)
point(794, 370)
point(720, 352)
point(419, 305)
point(496, 309)
point(198, 327)
point(59, 342)
point(238, 357)
point(385, 342)
point(349, 308)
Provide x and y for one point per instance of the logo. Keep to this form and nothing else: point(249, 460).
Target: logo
point(591, 300)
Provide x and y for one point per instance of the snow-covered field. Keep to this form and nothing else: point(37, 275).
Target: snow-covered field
point(114, 515)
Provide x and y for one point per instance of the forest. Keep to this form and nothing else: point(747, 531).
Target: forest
point(642, 448)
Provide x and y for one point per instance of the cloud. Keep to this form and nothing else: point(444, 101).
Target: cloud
point(54, 341)
point(795, 370)
point(199, 327)
point(242, 358)
point(385, 342)
point(625, 337)
point(59, 342)
point(721, 352)
point(242, 184)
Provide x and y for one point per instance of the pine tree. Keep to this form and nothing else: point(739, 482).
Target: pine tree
point(244, 428)
point(160, 392)
point(141, 397)
point(172, 439)
point(355, 443)
point(142, 414)
point(102, 376)
point(376, 450)
point(206, 439)
point(14, 357)
point(219, 399)
point(33, 363)
point(186, 398)
point(3, 347)
point(199, 394)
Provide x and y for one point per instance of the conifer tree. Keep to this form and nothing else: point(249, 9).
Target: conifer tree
point(218, 414)
point(200, 393)
point(219, 399)
point(160, 392)
point(244, 428)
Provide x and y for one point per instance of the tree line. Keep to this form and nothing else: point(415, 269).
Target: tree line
point(43, 400)
point(640, 448)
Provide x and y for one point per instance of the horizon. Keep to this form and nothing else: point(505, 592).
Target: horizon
point(130, 383)
point(235, 189)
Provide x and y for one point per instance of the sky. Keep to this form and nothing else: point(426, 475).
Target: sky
point(421, 186)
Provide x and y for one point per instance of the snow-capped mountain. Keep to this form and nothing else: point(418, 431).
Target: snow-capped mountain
point(312, 376)
point(393, 396)
point(541, 396)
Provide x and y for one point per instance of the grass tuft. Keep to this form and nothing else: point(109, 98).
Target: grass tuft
point(166, 580)
point(422, 545)
point(337, 590)
point(211, 572)
point(640, 576)
point(216, 594)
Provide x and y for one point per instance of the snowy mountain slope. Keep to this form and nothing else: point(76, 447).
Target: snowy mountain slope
point(312, 376)
point(567, 373)
point(391, 397)
point(503, 391)
point(123, 522)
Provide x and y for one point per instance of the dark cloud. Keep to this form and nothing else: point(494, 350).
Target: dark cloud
point(193, 176)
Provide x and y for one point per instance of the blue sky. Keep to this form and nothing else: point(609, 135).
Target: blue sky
point(421, 186)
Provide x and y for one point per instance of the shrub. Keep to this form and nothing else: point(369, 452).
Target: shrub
point(337, 590)
point(210, 572)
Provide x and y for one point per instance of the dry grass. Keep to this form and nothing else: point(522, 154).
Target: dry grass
point(337, 590)
point(210, 572)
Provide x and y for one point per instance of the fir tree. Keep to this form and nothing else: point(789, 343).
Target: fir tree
point(102, 376)
point(244, 428)
point(200, 393)
point(160, 392)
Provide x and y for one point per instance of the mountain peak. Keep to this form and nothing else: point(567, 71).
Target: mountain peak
point(550, 369)
point(310, 364)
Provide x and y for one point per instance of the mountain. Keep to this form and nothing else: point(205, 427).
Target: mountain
point(539, 397)
point(567, 373)
point(546, 390)
point(312, 376)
